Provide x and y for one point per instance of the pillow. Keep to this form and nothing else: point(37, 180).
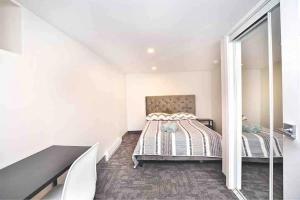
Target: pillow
point(182, 116)
point(251, 128)
point(158, 116)
point(169, 127)
point(170, 117)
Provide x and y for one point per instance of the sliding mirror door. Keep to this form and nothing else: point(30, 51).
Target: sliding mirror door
point(258, 62)
point(252, 103)
point(277, 107)
point(255, 112)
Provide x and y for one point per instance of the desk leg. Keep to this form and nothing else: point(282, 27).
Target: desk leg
point(55, 183)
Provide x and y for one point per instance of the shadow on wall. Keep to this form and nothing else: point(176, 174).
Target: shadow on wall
point(216, 96)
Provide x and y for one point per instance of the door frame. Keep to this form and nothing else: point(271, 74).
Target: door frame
point(231, 92)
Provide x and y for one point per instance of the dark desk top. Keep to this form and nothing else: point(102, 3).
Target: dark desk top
point(27, 177)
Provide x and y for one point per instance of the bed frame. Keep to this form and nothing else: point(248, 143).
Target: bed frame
point(262, 160)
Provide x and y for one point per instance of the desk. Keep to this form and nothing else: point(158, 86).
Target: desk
point(27, 177)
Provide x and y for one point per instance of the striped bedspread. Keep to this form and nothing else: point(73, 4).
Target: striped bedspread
point(190, 139)
point(257, 145)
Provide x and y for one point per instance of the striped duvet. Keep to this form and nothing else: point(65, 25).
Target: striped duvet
point(191, 139)
point(257, 145)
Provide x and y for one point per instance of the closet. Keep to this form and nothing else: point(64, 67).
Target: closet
point(256, 116)
point(252, 110)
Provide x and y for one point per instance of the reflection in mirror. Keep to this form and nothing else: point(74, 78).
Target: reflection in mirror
point(255, 110)
point(277, 109)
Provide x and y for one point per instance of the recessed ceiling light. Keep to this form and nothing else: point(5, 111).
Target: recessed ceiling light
point(154, 68)
point(150, 50)
point(216, 61)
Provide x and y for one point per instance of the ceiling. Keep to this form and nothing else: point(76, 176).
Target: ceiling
point(185, 34)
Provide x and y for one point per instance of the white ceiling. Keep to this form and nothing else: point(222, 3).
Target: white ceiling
point(184, 33)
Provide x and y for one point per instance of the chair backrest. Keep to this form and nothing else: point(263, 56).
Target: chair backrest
point(80, 183)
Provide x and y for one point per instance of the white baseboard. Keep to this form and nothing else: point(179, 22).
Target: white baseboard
point(113, 148)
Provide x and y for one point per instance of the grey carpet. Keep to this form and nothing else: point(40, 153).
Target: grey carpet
point(255, 181)
point(158, 180)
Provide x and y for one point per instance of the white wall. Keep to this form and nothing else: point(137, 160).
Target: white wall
point(290, 37)
point(56, 92)
point(277, 88)
point(255, 103)
point(255, 95)
point(204, 84)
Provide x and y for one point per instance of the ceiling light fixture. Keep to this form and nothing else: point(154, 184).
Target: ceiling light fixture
point(151, 50)
point(154, 68)
point(216, 62)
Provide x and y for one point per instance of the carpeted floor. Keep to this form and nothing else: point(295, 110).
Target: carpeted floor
point(117, 179)
point(255, 181)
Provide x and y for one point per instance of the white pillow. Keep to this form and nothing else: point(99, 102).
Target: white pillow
point(170, 117)
point(158, 116)
point(182, 116)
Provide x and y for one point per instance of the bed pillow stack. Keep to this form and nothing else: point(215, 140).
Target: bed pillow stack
point(158, 116)
point(170, 117)
point(182, 116)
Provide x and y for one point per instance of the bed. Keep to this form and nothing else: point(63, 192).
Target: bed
point(191, 141)
point(255, 146)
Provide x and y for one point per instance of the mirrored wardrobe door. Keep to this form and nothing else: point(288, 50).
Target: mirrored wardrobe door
point(256, 113)
point(277, 106)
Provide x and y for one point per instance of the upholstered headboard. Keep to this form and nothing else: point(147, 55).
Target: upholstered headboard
point(171, 104)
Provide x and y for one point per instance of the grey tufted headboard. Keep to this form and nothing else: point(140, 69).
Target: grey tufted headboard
point(171, 104)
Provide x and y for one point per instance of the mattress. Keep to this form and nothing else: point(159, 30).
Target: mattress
point(257, 145)
point(191, 141)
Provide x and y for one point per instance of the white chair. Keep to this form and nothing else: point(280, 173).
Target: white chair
point(80, 183)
